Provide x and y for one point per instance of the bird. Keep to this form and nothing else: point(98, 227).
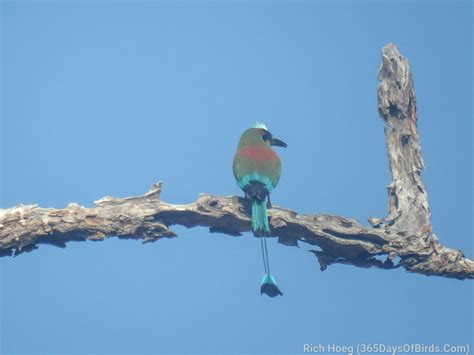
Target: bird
point(257, 169)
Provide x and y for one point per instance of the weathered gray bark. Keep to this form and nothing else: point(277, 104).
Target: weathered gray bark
point(407, 198)
point(405, 233)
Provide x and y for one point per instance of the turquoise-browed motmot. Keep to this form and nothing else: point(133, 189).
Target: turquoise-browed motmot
point(257, 170)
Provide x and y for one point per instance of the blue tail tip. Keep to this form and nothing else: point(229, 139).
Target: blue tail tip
point(269, 286)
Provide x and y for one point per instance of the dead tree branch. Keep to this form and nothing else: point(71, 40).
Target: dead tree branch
point(403, 239)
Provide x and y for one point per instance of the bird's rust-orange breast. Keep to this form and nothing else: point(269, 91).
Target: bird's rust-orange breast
point(257, 153)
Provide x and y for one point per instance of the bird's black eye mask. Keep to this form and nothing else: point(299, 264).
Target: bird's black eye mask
point(266, 136)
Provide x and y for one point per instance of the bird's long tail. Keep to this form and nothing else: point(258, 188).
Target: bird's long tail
point(261, 227)
point(259, 216)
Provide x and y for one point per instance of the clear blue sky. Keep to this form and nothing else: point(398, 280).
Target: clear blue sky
point(106, 98)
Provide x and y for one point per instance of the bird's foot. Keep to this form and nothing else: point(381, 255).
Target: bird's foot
point(269, 203)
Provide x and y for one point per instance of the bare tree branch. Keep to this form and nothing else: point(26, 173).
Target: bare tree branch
point(407, 198)
point(403, 239)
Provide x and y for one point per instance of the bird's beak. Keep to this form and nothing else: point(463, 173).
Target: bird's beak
point(277, 142)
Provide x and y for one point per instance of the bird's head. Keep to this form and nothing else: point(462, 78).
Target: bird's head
point(259, 133)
